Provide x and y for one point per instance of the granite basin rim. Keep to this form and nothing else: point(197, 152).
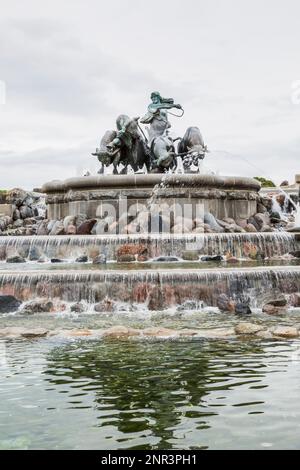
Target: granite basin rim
point(150, 180)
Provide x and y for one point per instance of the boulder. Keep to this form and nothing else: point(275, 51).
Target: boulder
point(80, 218)
point(16, 196)
point(208, 229)
point(113, 228)
point(250, 228)
point(275, 217)
point(57, 228)
point(280, 301)
point(69, 220)
point(285, 331)
point(160, 332)
point(246, 328)
point(225, 226)
point(295, 299)
point(261, 219)
point(225, 304)
point(38, 306)
point(18, 223)
point(100, 227)
point(241, 223)
point(272, 310)
point(131, 228)
point(82, 259)
point(77, 332)
point(250, 250)
point(16, 214)
point(26, 212)
point(71, 230)
point(42, 228)
point(15, 259)
point(30, 231)
point(99, 259)
point(266, 228)
point(212, 258)
point(210, 220)
point(17, 332)
point(86, 227)
point(261, 209)
point(56, 260)
point(34, 333)
point(264, 334)
point(138, 250)
point(9, 303)
point(179, 228)
point(242, 308)
point(236, 228)
point(120, 332)
point(198, 222)
point(232, 260)
point(184, 222)
point(126, 258)
point(296, 253)
point(199, 229)
point(79, 307)
point(156, 300)
point(30, 221)
point(107, 305)
point(165, 259)
point(252, 221)
point(265, 201)
point(216, 333)
point(229, 220)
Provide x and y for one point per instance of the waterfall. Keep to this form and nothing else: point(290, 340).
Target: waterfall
point(172, 287)
point(297, 215)
point(69, 247)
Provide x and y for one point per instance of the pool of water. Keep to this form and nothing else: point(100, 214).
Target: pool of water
point(58, 394)
point(146, 266)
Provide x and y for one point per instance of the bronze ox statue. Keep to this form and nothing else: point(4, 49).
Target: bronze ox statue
point(128, 145)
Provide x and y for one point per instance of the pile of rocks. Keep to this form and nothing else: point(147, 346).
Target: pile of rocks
point(27, 210)
point(143, 224)
point(243, 330)
point(274, 306)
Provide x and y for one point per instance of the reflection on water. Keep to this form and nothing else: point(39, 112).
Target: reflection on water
point(151, 395)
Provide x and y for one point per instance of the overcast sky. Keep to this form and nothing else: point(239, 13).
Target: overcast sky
point(71, 66)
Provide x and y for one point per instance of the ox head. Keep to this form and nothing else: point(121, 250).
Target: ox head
point(197, 152)
point(107, 156)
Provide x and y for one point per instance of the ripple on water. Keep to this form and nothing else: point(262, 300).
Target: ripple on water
point(149, 395)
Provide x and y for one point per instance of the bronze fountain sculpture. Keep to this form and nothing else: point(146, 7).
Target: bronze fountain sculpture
point(128, 146)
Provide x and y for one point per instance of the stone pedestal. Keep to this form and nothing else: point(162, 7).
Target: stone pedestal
point(225, 196)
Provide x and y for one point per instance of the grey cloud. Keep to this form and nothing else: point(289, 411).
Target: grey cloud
point(70, 70)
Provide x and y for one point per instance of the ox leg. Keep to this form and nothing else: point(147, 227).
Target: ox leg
point(124, 171)
point(101, 169)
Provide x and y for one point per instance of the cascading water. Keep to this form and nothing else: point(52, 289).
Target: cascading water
point(68, 247)
point(297, 215)
point(163, 288)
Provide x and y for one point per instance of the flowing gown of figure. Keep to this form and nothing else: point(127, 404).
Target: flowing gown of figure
point(158, 121)
point(157, 115)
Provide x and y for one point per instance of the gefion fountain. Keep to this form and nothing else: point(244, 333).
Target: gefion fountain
point(151, 232)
